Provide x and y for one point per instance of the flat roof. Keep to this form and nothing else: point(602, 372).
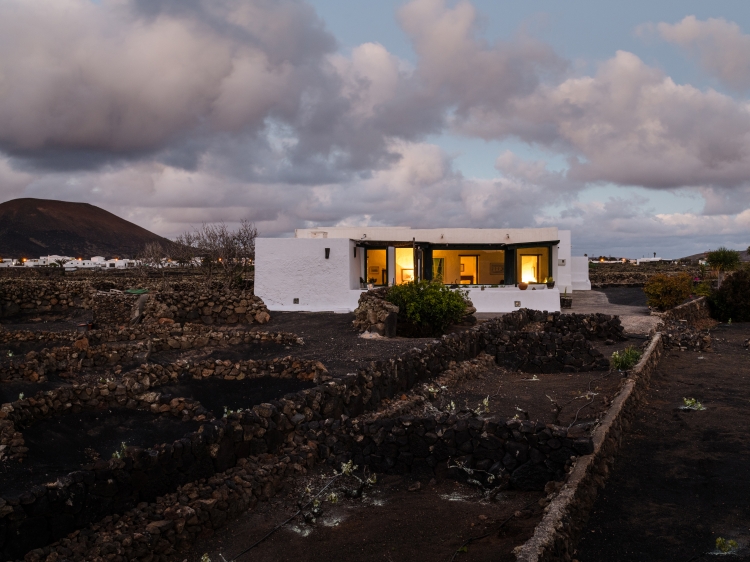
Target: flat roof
point(433, 235)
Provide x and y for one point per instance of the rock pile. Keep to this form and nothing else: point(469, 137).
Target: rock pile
point(375, 314)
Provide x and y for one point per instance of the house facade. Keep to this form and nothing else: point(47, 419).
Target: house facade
point(327, 269)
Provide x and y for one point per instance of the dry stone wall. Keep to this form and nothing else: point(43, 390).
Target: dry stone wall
point(186, 301)
point(680, 326)
point(127, 346)
point(282, 428)
point(194, 303)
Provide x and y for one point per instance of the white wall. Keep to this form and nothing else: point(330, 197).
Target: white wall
point(289, 268)
point(504, 299)
point(563, 279)
point(580, 273)
point(433, 235)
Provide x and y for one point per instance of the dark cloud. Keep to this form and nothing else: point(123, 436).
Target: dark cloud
point(175, 112)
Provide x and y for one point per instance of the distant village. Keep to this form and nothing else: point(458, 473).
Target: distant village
point(73, 264)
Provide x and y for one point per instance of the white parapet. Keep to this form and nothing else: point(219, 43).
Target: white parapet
point(508, 299)
point(580, 273)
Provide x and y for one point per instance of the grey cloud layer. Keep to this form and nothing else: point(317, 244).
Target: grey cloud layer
point(208, 110)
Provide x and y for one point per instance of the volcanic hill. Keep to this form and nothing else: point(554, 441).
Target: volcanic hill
point(39, 227)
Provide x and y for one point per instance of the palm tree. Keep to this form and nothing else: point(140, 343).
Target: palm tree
point(723, 260)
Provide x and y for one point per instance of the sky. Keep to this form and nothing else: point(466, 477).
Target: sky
point(628, 123)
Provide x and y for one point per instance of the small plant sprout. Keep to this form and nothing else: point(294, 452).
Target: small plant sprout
point(20, 396)
point(333, 497)
point(120, 453)
point(625, 359)
point(205, 557)
point(726, 546)
point(348, 468)
point(10, 353)
point(483, 407)
point(692, 404)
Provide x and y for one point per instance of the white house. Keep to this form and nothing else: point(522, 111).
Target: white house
point(326, 269)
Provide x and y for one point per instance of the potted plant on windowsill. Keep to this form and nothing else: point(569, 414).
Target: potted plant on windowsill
point(550, 283)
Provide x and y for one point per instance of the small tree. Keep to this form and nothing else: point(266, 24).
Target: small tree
point(219, 248)
point(154, 256)
point(723, 260)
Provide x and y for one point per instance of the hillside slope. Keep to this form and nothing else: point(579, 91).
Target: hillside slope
point(38, 227)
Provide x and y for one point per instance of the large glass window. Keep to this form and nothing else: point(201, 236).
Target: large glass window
point(469, 267)
point(532, 265)
point(404, 265)
point(376, 266)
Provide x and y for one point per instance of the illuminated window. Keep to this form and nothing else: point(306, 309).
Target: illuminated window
point(376, 266)
point(479, 267)
point(533, 265)
point(404, 265)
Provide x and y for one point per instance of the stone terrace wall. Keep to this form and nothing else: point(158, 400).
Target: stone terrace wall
point(218, 335)
point(196, 304)
point(555, 537)
point(127, 346)
point(679, 330)
point(629, 275)
point(692, 311)
point(531, 453)
point(186, 301)
point(279, 427)
point(41, 296)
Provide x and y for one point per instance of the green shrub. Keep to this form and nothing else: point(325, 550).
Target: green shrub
point(723, 260)
point(703, 289)
point(625, 359)
point(427, 308)
point(667, 291)
point(732, 299)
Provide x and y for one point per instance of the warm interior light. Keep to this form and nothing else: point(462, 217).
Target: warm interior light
point(404, 265)
point(530, 269)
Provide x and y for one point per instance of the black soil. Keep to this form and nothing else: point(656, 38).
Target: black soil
point(216, 394)
point(681, 478)
point(62, 444)
point(626, 296)
point(331, 339)
point(391, 523)
point(242, 352)
point(48, 321)
point(511, 394)
point(10, 391)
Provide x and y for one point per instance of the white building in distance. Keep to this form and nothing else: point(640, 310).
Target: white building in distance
point(326, 269)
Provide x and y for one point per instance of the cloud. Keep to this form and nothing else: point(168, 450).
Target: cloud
point(719, 46)
point(176, 112)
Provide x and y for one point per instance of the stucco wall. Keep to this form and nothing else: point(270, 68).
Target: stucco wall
point(289, 268)
point(564, 250)
point(580, 273)
point(503, 299)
